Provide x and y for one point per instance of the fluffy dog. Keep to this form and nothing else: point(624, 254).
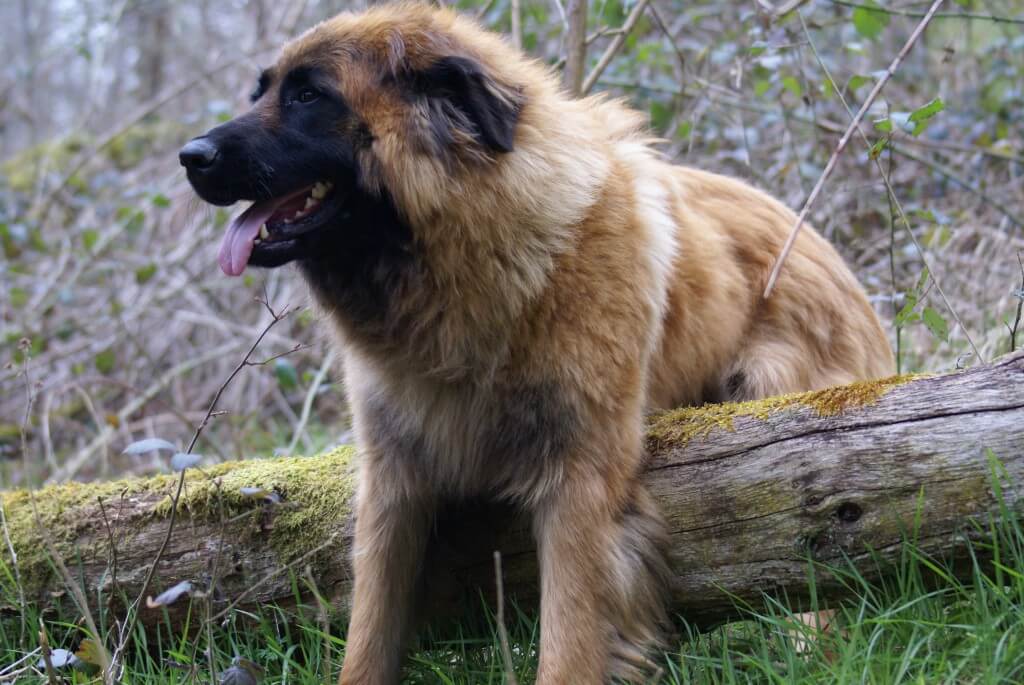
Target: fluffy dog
point(514, 277)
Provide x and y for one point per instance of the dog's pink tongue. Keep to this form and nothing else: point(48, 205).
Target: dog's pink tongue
point(238, 241)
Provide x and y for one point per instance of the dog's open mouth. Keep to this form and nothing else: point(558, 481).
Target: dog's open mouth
point(273, 232)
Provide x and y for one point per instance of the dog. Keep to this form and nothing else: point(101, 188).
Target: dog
point(515, 277)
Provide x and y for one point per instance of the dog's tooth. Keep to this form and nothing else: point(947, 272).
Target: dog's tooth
point(310, 202)
point(319, 191)
point(264, 233)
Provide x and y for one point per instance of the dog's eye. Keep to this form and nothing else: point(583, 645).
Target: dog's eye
point(307, 95)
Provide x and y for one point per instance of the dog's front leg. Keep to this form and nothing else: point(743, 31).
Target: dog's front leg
point(604, 578)
point(390, 535)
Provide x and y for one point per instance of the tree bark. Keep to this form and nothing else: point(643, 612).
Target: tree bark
point(751, 492)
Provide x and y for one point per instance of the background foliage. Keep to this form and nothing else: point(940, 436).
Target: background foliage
point(115, 323)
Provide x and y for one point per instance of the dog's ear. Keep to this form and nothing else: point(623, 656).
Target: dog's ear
point(464, 99)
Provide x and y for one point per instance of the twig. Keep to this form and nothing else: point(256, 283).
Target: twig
point(787, 7)
point(939, 15)
point(506, 650)
point(295, 348)
point(613, 48)
point(663, 25)
point(72, 465)
point(894, 200)
point(892, 254)
point(133, 613)
point(11, 669)
point(854, 126)
point(307, 404)
point(1020, 305)
point(482, 12)
point(575, 47)
point(44, 650)
point(517, 25)
point(113, 547)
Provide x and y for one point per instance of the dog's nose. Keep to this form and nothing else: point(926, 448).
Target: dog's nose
point(199, 154)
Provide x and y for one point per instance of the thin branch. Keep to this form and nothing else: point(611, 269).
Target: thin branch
point(72, 465)
point(295, 348)
point(517, 25)
point(129, 626)
point(854, 126)
point(613, 48)
point(1020, 306)
point(506, 650)
point(894, 200)
point(663, 25)
point(938, 15)
point(575, 47)
point(787, 7)
point(482, 12)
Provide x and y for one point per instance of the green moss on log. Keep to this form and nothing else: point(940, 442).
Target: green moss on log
point(679, 426)
point(316, 496)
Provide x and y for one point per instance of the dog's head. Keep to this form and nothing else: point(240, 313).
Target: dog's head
point(360, 119)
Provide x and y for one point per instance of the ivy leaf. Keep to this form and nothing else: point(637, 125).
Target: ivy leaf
point(287, 376)
point(791, 84)
point(105, 361)
point(145, 273)
point(857, 80)
point(935, 323)
point(89, 238)
point(923, 114)
point(906, 313)
point(149, 445)
point(869, 21)
point(878, 147)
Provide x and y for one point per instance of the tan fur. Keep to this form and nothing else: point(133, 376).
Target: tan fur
point(560, 291)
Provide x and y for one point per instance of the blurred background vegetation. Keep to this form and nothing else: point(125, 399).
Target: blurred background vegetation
point(116, 324)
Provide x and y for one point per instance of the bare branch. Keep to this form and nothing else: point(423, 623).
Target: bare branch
point(575, 47)
point(613, 48)
point(879, 85)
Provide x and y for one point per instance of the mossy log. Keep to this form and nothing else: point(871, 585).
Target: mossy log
point(751, 492)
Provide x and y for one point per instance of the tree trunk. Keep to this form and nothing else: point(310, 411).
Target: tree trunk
point(750, 492)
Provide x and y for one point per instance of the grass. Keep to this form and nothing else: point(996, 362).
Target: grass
point(918, 624)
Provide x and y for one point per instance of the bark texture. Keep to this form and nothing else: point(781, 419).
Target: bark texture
point(750, 491)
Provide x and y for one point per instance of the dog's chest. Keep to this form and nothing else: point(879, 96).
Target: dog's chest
point(465, 438)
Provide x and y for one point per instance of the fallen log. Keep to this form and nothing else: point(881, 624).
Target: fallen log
point(750, 491)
